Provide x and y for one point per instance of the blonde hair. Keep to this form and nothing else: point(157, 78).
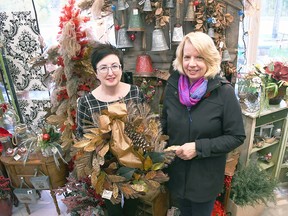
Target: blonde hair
point(206, 49)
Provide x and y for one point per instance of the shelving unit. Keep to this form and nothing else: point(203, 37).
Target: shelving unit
point(282, 172)
point(265, 125)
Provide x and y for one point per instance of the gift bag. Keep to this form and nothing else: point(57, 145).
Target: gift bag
point(40, 182)
point(25, 195)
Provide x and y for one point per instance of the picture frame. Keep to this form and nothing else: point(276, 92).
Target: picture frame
point(266, 130)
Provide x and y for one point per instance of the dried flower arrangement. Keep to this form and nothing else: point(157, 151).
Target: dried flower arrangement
point(158, 14)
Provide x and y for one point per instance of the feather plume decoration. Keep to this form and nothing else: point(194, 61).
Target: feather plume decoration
point(85, 4)
point(68, 40)
point(96, 9)
point(62, 108)
point(58, 76)
point(72, 86)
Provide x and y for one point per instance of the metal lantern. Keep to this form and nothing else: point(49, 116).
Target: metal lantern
point(144, 64)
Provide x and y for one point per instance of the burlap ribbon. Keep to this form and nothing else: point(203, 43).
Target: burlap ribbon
point(121, 145)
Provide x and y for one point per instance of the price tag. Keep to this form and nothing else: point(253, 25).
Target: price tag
point(107, 194)
point(135, 11)
point(221, 44)
point(17, 157)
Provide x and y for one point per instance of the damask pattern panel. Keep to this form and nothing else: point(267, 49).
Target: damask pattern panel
point(19, 34)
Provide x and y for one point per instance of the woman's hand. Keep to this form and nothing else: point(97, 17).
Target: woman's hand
point(187, 151)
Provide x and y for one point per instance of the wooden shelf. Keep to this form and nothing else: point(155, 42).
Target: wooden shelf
point(276, 116)
point(285, 165)
point(266, 145)
point(265, 166)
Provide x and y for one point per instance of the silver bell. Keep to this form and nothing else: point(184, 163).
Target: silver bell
point(226, 56)
point(169, 4)
point(123, 41)
point(159, 41)
point(147, 6)
point(177, 33)
point(122, 5)
point(211, 32)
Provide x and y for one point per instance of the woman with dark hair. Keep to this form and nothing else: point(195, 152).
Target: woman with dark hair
point(202, 117)
point(107, 62)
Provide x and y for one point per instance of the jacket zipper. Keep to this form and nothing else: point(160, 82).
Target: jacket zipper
point(189, 114)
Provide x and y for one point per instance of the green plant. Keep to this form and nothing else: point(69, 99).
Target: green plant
point(49, 143)
point(50, 138)
point(252, 186)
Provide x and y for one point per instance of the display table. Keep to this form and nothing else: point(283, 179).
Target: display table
point(16, 170)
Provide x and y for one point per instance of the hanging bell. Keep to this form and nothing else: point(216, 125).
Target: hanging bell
point(135, 21)
point(159, 41)
point(122, 5)
point(123, 41)
point(190, 14)
point(211, 32)
point(144, 64)
point(147, 6)
point(226, 56)
point(177, 35)
point(169, 4)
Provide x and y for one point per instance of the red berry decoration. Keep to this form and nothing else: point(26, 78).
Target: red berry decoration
point(132, 37)
point(46, 137)
point(196, 3)
point(117, 27)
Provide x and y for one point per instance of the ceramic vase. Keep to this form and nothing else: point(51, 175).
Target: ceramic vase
point(5, 207)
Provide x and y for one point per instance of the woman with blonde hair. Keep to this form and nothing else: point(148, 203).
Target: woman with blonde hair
point(202, 117)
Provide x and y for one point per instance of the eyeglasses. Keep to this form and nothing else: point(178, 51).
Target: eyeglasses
point(105, 69)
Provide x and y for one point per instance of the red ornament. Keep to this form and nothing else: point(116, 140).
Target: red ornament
point(117, 27)
point(132, 37)
point(196, 3)
point(46, 137)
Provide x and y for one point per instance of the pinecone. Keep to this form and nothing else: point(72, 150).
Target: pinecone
point(138, 140)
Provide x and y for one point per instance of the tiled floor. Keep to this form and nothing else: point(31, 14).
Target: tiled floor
point(45, 206)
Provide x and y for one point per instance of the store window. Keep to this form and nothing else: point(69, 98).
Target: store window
point(263, 32)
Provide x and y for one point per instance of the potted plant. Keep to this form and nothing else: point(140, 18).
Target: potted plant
point(251, 189)
point(274, 78)
point(5, 196)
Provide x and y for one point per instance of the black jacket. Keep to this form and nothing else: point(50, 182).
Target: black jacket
point(215, 124)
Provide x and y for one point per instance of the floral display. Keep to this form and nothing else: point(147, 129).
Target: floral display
point(5, 188)
point(50, 144)
point(126, 150)
point(149, 88)
point(80, 198)
point(273, 76)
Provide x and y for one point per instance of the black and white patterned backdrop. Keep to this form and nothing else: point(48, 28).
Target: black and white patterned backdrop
point(19, 34)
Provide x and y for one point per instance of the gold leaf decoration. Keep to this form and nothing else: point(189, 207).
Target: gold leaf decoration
point(115, 191)
point(148, 163)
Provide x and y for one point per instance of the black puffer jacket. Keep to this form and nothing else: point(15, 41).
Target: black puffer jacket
point(215, 124)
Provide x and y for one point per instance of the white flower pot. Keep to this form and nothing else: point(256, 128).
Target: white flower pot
point(244, 211)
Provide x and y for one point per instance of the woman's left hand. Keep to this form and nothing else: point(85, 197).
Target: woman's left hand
point(187, 151)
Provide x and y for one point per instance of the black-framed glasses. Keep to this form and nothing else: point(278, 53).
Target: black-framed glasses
point(105, 69)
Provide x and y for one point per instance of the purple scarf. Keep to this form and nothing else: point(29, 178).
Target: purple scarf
point(190, 95)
